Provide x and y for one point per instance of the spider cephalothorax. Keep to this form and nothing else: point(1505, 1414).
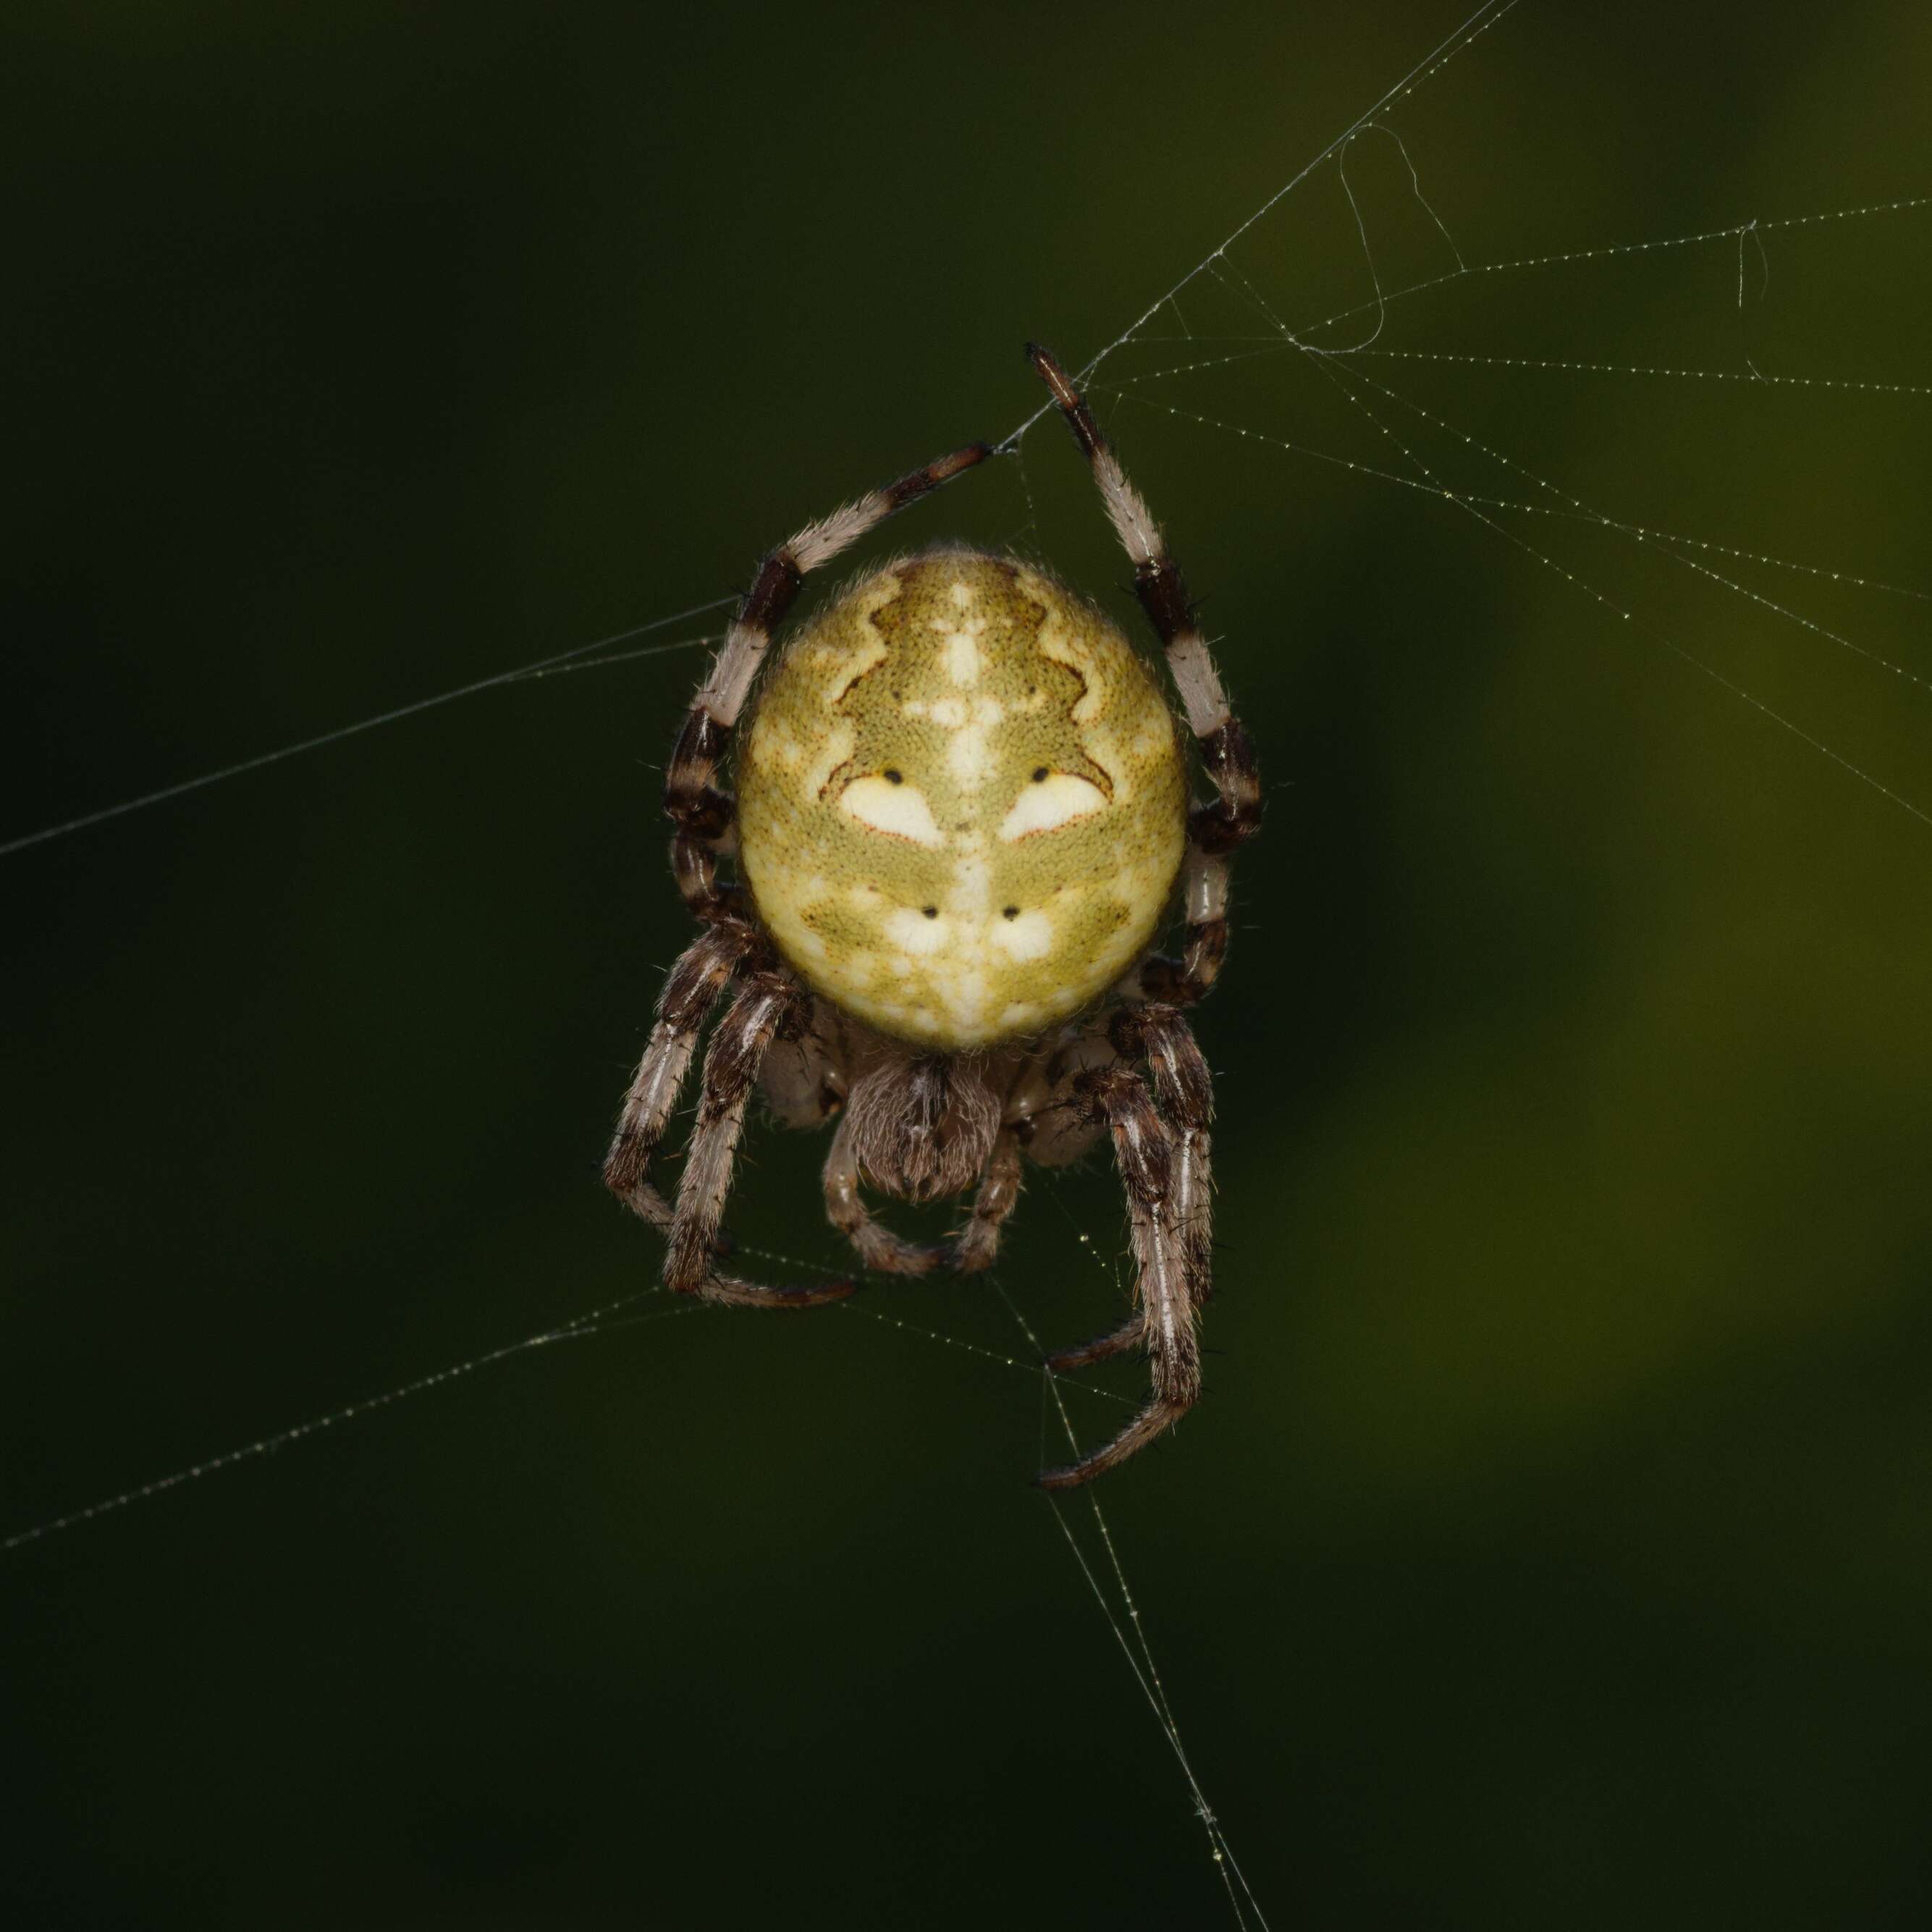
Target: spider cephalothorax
point(962, 806)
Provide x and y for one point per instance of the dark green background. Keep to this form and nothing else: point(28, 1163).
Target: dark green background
point(1553, 1547)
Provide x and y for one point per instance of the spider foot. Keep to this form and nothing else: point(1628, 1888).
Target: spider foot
point(973, 1252)
point(649, 1206)
point(641, 1197)
point(1131, 1334)
point(885, 1252)
point(729, 1291)
point(1158, 1415)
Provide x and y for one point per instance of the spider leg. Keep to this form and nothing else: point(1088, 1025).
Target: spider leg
point(878, 1247)
point(1130, 1334)
point(701, 973)
point(1144, 1149)
point(1234, 814)
point(702, 812)
point(1185, 981)
point(1171, 1210)
point(767, 1002)
point(1159, 1034)
point(978, 1243)
point(1184, 1088)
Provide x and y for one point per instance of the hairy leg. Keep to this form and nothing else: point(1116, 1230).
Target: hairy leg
point(1130, 1335)
point(702, 813)
point(978, 1242)
point(701, 973)
point(766, 1003)
point(1234, 815)
point(1182, 1084)
point(1144, 1149)
point(878, 1247)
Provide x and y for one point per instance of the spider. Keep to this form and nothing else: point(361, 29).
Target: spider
point(962, 806)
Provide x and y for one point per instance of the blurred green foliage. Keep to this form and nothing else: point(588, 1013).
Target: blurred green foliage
point(1552, 1546)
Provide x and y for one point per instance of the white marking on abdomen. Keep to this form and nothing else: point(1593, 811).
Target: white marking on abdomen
point(1028, 936)
point(1057, 800)
point(900, 810)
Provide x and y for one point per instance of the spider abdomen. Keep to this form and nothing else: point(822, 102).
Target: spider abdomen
point(962, 801)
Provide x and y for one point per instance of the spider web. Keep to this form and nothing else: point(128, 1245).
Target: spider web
point(1348, 333)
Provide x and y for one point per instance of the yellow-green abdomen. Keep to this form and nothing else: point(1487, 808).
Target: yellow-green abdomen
point(962, 801)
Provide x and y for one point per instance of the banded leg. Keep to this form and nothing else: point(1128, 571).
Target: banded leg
point(878, 1247)
point(1203, 894)
point(1159, 1034)
point(701, 812)
point(1185, 1089)
point(702, 973)
point(1143, 1151)
point(767, 1002)
point(1234, 815)
point(978, 1244)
